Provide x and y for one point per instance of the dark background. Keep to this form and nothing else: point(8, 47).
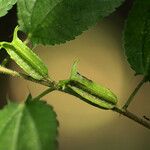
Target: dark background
point(7, 24)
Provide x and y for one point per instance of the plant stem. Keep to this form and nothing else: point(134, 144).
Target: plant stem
point(26, 42)
point(42, 82)
point(26, 77)
point(132, 116)
point(131, 97)
point(45, 92)
point(5, 61)
point(54, 86)
point(9, 71)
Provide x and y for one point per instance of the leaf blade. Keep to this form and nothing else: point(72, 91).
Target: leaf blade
point(31, 125)
point(57, 21)
point(5, 6)
point(136, 37)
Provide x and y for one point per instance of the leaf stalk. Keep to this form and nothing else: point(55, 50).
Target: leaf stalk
point(131, 97)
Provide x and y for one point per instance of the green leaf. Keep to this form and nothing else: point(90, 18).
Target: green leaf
point(57, 21)
point(137, 37)
point(6, 5)
point(28, 126)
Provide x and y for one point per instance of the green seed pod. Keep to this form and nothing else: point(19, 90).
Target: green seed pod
point(25, 58)
point(92, 92)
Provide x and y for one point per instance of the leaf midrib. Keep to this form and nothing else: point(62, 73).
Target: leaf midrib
point(45, 15)
point(20, 108)
point(16, 130)
point(39, 144)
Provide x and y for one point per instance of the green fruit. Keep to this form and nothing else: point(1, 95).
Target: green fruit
point(25, 58)
point(90, 91)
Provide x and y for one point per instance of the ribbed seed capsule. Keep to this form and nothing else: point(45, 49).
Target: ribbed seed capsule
point(25, 58)
point(90, 91)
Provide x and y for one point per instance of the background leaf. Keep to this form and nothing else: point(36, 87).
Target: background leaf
point(6, 5)
point(57, 21)
point(28, 126)
point(137, 37)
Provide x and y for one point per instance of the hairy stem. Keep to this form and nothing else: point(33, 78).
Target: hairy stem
point(131, 97)
point(132, 117)
point(54, 86)
point(10, 72)
point(4, 70)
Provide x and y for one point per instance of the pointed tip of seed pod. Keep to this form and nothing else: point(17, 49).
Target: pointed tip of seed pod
point(15, 36)
point(74, 68)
